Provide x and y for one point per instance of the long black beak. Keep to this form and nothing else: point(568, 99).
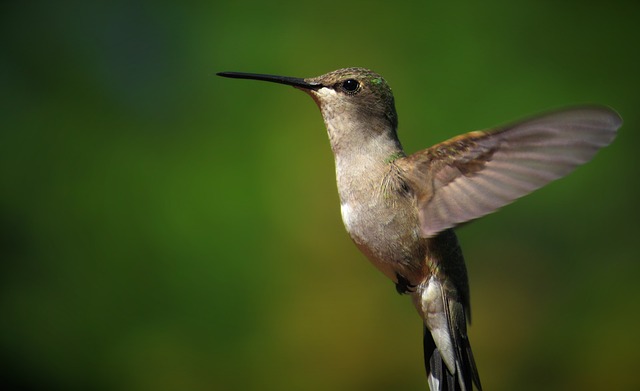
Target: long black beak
point(290, 81)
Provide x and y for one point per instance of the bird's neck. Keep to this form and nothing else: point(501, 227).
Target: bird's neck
point(371, 139)
point(362, 156)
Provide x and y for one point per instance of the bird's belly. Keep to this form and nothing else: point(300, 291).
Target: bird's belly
point(388, 234)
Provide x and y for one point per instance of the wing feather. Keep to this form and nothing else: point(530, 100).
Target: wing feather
point(472, 175)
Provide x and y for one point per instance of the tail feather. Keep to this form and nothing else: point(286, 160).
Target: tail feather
point(448, 357)
point(472, 365)
point(439, 376)
point(465, 363)
point(443, 303)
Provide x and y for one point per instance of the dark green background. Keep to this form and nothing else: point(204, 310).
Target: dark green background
point(165, 229)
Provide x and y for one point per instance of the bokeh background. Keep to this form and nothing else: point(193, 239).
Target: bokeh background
point(165, 229)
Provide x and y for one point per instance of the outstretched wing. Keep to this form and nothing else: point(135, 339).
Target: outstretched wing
point(474, 174)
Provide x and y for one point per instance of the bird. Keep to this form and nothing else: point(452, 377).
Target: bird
point(401, 210)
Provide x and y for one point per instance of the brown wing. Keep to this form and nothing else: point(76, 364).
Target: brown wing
point(474, 174)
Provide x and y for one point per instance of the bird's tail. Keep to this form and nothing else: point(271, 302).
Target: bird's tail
point(439, 376)
point(447, 353)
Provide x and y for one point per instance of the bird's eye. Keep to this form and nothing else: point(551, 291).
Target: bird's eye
point(351, 86)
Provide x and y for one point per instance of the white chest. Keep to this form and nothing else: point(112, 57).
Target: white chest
point(348, 216)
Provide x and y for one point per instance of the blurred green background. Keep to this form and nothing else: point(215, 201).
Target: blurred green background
point(162, 228)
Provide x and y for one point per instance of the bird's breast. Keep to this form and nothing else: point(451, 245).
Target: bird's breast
point(387, 232)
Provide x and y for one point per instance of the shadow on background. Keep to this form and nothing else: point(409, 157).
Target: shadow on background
point(162, 229)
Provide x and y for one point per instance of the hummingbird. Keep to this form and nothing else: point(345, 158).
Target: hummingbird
point(400, 210)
